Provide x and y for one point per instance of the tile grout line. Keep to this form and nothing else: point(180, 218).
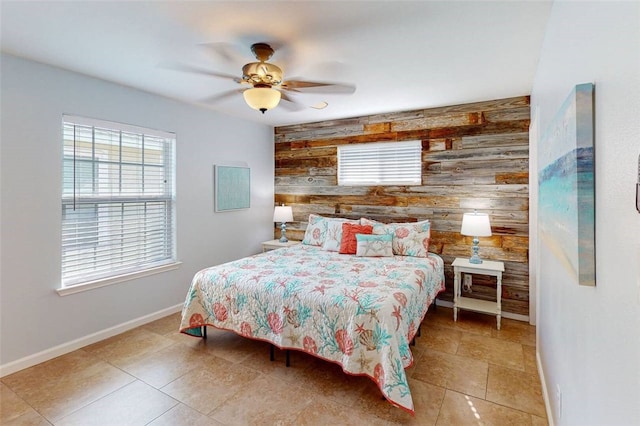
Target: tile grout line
point(96, 400)
point(440, 406)
point(27, 403)
point(498, 404)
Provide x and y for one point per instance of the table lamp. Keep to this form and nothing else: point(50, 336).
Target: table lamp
point(283, 214)
point(476, 225)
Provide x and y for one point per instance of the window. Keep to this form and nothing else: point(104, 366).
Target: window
point(118, 200)
point(394, 163)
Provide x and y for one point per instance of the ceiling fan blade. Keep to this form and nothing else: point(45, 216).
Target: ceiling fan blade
point(226, 51)
point(198, 70)
point(221, 96)
point(290, 103)
point(318, 87)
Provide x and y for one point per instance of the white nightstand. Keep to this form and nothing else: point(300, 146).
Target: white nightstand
point(487, 267)
point(276, 244)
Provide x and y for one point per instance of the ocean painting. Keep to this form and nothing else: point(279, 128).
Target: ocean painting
point(566, 185)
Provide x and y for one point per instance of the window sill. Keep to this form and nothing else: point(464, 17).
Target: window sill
point(90, 285)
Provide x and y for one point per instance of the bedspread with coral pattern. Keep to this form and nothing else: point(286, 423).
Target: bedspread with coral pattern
point(359, 312)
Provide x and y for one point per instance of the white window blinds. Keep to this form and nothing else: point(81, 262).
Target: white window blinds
point(118, 199)
point(395, 163)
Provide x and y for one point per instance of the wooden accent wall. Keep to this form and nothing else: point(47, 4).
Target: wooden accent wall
point(474, 156)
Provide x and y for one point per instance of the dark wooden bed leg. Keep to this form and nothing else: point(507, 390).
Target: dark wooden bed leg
point(418, 334)
point(272, 355)
point(413, 341)
point(288, 363)
point(204, 331)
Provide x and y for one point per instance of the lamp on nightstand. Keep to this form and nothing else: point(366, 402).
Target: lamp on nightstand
point(476, 225)
point(283, 214)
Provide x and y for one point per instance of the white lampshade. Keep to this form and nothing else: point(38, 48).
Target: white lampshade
point(476, 225)
point(283, 214)
point(261, 98)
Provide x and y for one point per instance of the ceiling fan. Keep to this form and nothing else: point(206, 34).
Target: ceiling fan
point(264, 82)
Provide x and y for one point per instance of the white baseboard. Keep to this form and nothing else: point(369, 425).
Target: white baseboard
point(545, 393)
point(509, 315)
point(47, 354)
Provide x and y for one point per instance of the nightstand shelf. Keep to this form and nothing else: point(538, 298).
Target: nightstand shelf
point(276, 244)
point(488, 267)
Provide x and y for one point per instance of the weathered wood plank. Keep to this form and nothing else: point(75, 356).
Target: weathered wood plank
point(283, 146)
point(514, 292)
point(485, 190)
point(511, 114)
point(305, 153)
point(291, 199)
point(383, 127)
point(512, 178)
point(515, 241)
point(484, 166)
point(292, 234)
point(305, 180)
point(325, 132)
point(508, 103)
point(318, 125)
point(515, 306)
point(480, 154)
point(495, 203)
point(438, 121)
point(307, 162)
point(457, 179)
point(301, 211)
point(515, 268)
point(344, 191)
point(396, 116)
point(486, 141)
point(348, 199)
point(302, 171)
point(431, 202)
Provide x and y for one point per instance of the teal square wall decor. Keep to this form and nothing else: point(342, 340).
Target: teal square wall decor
point(232, 188)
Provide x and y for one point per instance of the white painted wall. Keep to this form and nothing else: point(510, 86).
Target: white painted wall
point(34, 317)
point(589, 338)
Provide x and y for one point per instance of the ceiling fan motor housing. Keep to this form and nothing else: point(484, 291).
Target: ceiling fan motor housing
point(262, 51)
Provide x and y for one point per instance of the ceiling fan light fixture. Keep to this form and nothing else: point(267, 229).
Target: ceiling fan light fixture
point(261, 98)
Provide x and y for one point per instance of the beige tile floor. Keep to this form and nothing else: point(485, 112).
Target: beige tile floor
point(466, 373)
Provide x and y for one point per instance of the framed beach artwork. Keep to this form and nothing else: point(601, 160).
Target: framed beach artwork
point(232, 187)
point(566, 185)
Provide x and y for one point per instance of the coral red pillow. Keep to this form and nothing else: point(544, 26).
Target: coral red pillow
point(348, 243)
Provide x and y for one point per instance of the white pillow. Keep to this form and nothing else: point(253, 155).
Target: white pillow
point(333, 236)
point(316, 230)
point(372, 245)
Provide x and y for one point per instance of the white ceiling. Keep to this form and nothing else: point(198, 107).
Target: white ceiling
point(400, 55)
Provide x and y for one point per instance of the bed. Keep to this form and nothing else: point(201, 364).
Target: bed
point(357, 311)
